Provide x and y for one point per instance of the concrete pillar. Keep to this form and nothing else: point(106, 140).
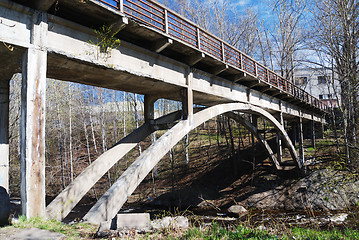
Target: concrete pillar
point(279, 117)
point(4, 134)
point(254, 121)
point(149, 108)
point(295, 133)
point(301, 140)
point(33, 95)
point(187, 98)
point(312, 126)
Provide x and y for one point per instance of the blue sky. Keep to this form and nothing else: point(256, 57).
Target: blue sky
point(262, 7)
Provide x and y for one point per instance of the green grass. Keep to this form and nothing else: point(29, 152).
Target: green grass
point(309, 234)
point(75, 231)
point(241, 232)
point(213, 232)
point(217, 232)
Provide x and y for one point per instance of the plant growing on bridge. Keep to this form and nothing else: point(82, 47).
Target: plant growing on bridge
point(106, 39)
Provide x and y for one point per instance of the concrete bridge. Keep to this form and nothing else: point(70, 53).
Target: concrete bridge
point(161, 55)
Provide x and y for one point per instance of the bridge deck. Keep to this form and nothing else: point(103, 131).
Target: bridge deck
point(157, 28)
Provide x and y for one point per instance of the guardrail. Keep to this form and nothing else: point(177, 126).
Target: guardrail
point(176, 26)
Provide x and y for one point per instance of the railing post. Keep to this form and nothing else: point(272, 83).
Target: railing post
point(267, 75)
point(241, 59)
point(256, 68)
point(166, 21)
point(198, 38)
point(223, 56)
point(120, 5)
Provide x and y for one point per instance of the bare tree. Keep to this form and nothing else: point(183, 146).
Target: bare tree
point(282, 42)
point(336, 39)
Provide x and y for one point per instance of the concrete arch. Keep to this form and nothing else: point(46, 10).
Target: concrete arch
point(61, 206)
point(262, 141)
point(111, 202)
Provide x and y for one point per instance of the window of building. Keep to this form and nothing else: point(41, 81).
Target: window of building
point(320, 96)
point(323, 79)
point(300, 80)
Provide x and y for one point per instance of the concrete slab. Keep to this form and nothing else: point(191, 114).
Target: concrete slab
point(32, 234)
point(138, 221)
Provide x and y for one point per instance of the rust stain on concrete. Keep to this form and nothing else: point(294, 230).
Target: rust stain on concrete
point(37, 147)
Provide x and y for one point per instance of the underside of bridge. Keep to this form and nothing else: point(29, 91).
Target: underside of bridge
point(41, 45)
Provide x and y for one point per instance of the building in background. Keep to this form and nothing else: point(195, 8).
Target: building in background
point(319, 83)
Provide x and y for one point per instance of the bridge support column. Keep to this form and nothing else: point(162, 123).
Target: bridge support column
point(4, 134)
point(149, 109)
point(301, 140)
point(279, 117)
point(33, 94)
point(312, 128)
point(187, 98)
point(254, 122)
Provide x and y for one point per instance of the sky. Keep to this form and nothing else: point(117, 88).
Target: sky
point(262, 7)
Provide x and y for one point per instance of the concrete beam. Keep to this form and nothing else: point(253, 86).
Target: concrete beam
point(218, 70)
point(33, 97)
point(160, 45)
point(251, 84)
point(4, 134)
point(42, 5)
point(192, 60)
point(238, 77)
point(117, 26)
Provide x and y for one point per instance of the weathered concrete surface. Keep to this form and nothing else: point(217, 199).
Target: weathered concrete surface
point(31, 234)
point(33, 121)
point(111, 202)
point(131, 68)
point(138, 221)
point(61, 206)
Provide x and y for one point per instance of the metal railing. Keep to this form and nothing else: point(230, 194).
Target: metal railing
point(169, 22)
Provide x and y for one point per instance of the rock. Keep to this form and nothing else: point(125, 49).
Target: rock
point(261, 228)
point(5, 208)
point(237, 210)
point(170, 222)
point(339, 218)
point(322, 189)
